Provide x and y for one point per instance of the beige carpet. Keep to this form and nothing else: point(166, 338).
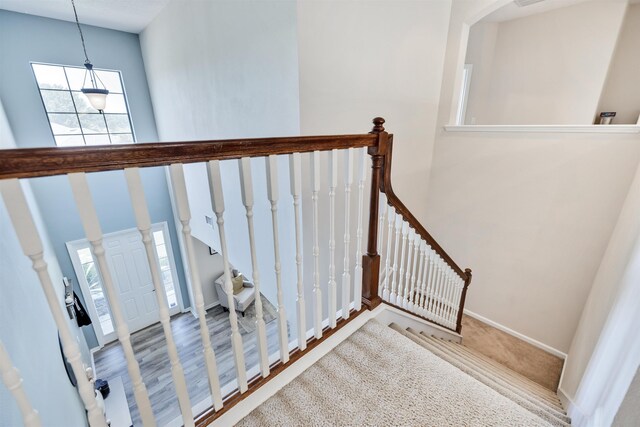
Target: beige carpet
point(377, 377)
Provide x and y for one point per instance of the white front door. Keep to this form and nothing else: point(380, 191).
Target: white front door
point(131, 275)
point(130, 271)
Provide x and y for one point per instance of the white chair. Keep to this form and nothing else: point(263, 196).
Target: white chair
point(241, 300)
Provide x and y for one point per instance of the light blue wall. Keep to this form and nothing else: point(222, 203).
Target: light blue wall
point(25, 313)
point(25, 38)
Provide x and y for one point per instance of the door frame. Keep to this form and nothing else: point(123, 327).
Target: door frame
point(75, 245)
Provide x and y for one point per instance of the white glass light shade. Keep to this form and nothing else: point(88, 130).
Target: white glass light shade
point(97, 97)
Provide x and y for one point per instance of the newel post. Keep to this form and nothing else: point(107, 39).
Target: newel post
point(371, 260)
point(467, 271)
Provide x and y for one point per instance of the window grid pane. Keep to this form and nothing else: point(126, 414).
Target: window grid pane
point(72, 119)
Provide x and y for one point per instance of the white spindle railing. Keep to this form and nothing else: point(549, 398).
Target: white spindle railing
point(272, 191)
point(346, 275)
point(27, 233)
point(317, 292)
point(184, 214)
point(93, 231)
point(217, 202)
point(386, 281)
point(357, 275)
point(332, 286)
point(295, 178)
point(413, 275)
point(414, 272)
point(407, 278)
point(246, 186)
point(13, 381)
point(395, 281)
point(143, 222)
point(381, 240)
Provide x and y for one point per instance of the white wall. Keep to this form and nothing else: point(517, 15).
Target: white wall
point(531, 214)
point(228, 69)
point(359, 60)
point(210, 268)
point(622, 91)
point(549, 68)
point(27, 329)
point(617, 271)
point(480, 51)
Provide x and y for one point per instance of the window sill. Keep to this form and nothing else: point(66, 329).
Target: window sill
point(545, 128)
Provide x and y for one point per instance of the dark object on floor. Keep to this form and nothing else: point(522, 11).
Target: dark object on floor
point(103, 387)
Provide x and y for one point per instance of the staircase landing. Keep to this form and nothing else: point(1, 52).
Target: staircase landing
point(532, 362)
point(379, 377)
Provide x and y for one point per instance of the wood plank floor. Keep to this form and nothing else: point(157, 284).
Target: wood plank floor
point(150, 348)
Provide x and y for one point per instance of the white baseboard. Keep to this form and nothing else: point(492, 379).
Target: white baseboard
point(579, 417)
point(213, 304)
point(518, 335)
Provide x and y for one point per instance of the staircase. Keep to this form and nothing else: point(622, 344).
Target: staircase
point(393, 376)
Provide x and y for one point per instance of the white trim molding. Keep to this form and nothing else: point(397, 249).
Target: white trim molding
point(545, 128)
point(518, 335)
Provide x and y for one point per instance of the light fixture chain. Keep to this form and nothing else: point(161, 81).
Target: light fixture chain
point(84, 48)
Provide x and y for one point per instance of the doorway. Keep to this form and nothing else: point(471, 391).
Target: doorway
point(132, 279)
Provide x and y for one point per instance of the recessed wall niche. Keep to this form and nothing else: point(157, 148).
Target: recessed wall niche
point(553, 62)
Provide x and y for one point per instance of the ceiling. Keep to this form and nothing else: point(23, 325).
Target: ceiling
point(124, 15)
point(513, 11)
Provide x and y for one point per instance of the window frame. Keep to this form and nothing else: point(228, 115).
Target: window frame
point(77, 113)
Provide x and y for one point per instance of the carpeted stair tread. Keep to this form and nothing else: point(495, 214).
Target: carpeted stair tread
point(500, 371)
point(524, 393)
point(377, 377)
point(553, 417)
point(503, 370)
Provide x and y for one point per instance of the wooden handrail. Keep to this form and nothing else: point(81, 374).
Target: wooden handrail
point(39, 162)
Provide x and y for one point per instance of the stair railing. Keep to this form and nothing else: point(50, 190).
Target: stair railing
point(417, 275)
point(435, 290)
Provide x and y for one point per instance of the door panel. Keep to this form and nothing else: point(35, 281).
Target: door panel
point(127, 260)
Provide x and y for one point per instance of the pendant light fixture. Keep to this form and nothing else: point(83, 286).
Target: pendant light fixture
point(95, 91)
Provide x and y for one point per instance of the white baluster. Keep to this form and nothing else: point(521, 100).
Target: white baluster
point(417, 272)
point(396, 282)
point(424, 265)
point(439, 289)
point(331, 287)
point(456, 299)
point(93, 231)
point(445, 295)
point(217, 203)
point(452, 299)
point(295, 179)
point(317, 292)
point(246, 188)
point(27, 233)
point(430, 283)
point(450, 303)
point(381, 224)
point(407, 278)
point(346, 275)
point(387, 263)
point(433, 302)
point(143, 222)
point(402, 278)
point(433, 285)
point(414, 270)
point(13, 382)
point(272, 192)
point(357, 276)
point(184, 214)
